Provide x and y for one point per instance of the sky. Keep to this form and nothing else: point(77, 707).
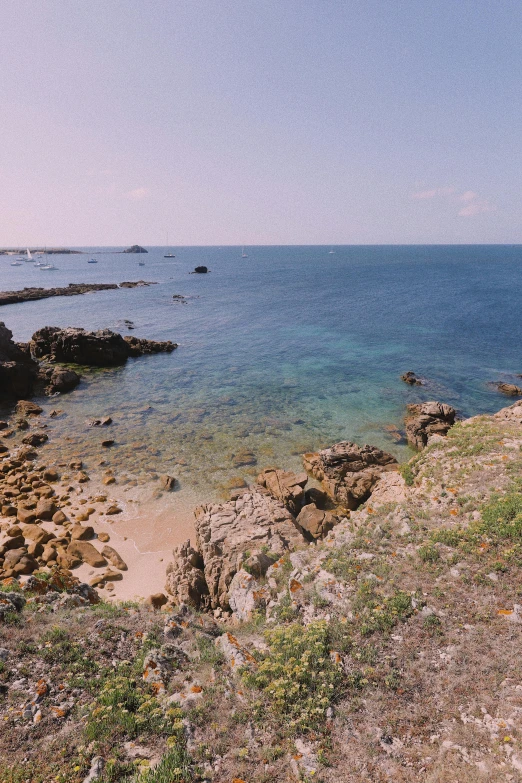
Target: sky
point(234, 122)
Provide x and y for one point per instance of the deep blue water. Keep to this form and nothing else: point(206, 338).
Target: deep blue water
point(286, 350)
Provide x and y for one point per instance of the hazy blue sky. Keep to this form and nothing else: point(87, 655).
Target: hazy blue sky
point(270, 122)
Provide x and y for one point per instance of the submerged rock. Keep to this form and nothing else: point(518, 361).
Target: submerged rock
point(348, 472)
point(510, 389)
point(410, 378)
point(427, 419)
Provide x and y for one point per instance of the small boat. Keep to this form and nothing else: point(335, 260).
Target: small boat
point(28, 255)
point(45, 267)
point(243, 254)
point(331, 253)
point(168, 255)
point(92, 261)
point(16, 263)
point(141, 263)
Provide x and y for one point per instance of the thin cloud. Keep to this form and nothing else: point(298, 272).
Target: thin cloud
point(424, 194)
point(138, 194)
point(475, 207)
point(469, 195)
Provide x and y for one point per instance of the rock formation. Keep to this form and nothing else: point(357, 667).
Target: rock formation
point(427, 419)
point(103, 348)
point(201, 270)
point(18, 371)
point(348, 472)
point(135, 249)
point(255, 528)
point(510, 389)
point(285, 486)
point(410, 378)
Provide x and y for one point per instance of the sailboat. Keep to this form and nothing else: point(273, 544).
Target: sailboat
point(168, 255)
point(243, 254)
point(92, 261)
point(332, 252)
point(29, 256)
point(46, 265)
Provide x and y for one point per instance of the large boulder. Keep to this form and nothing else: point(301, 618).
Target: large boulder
point(103, 348)
point(285, 486)
point(254, 529)
point(186, 579)
point(427, 419)
point(18, 371)
point(316, 523)
point(348, 472)
point(62, 380)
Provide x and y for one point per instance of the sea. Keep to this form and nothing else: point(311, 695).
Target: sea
point(285, 351)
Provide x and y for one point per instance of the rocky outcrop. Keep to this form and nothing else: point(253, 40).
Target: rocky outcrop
point(510, 389)
point(285, 486)
point(135, 249)
point(255, 528)
point(348, 472)
point(59, 380)
point(139, 346)
point(103, 348)
point(411, 379)
point(18, 371)
point(200, 270)
point(73, 289)
point(316, 523)
point(186, 579)
point(427, 419)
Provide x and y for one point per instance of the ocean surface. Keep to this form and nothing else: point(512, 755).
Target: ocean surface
point(288, 350)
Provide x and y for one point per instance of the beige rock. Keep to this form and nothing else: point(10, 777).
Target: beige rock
point(285, 486)
point(113, 557)
point(45, 509)
point(157, 600)
point(87, 553)
point(427, 419)
point(113, 510)
point(315, 522)
point(82, 533)
point(25, 515)
point(104, 537)
point(246, 595)
point(37, 534)
point(185, 577)
point(28, 408)
point(59, 518)
point(348, 472)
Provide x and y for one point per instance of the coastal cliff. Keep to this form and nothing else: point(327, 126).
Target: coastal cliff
point(313, 641)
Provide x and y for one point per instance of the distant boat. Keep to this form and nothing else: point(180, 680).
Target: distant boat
point(141, 263)
point(168, 255)
point(16, 263)
point(243, 254)
point(45, 267)
point(331, 253)
point(92, 261)
point(29, 256)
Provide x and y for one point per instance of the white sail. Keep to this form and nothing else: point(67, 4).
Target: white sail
point(29, 256)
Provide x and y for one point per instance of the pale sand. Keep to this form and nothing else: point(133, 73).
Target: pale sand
point(144, 535)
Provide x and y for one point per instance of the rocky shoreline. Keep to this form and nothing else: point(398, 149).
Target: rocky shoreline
point(73, 289)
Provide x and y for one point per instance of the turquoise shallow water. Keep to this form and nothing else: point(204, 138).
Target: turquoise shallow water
point(287, 350)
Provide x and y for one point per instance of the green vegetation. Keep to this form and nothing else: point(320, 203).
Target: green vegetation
point(297, 676)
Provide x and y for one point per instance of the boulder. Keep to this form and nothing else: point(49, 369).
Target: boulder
point(427, 419)
point(230, 532)
point(45, 508)
point(137, 346)
point(18, 371)
point(410, 378)
point(103, 348)
point(86, 553)
point(246, 596)
point(167, 482)
point(186, 578)
point(27, 408)
point(113, 557)
point(35, 439)
point(62, 380)
point(316, 523)
point(348, 472)
point(157, 600)
point(285, 486)
point(510, 389)
point(82, 532)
